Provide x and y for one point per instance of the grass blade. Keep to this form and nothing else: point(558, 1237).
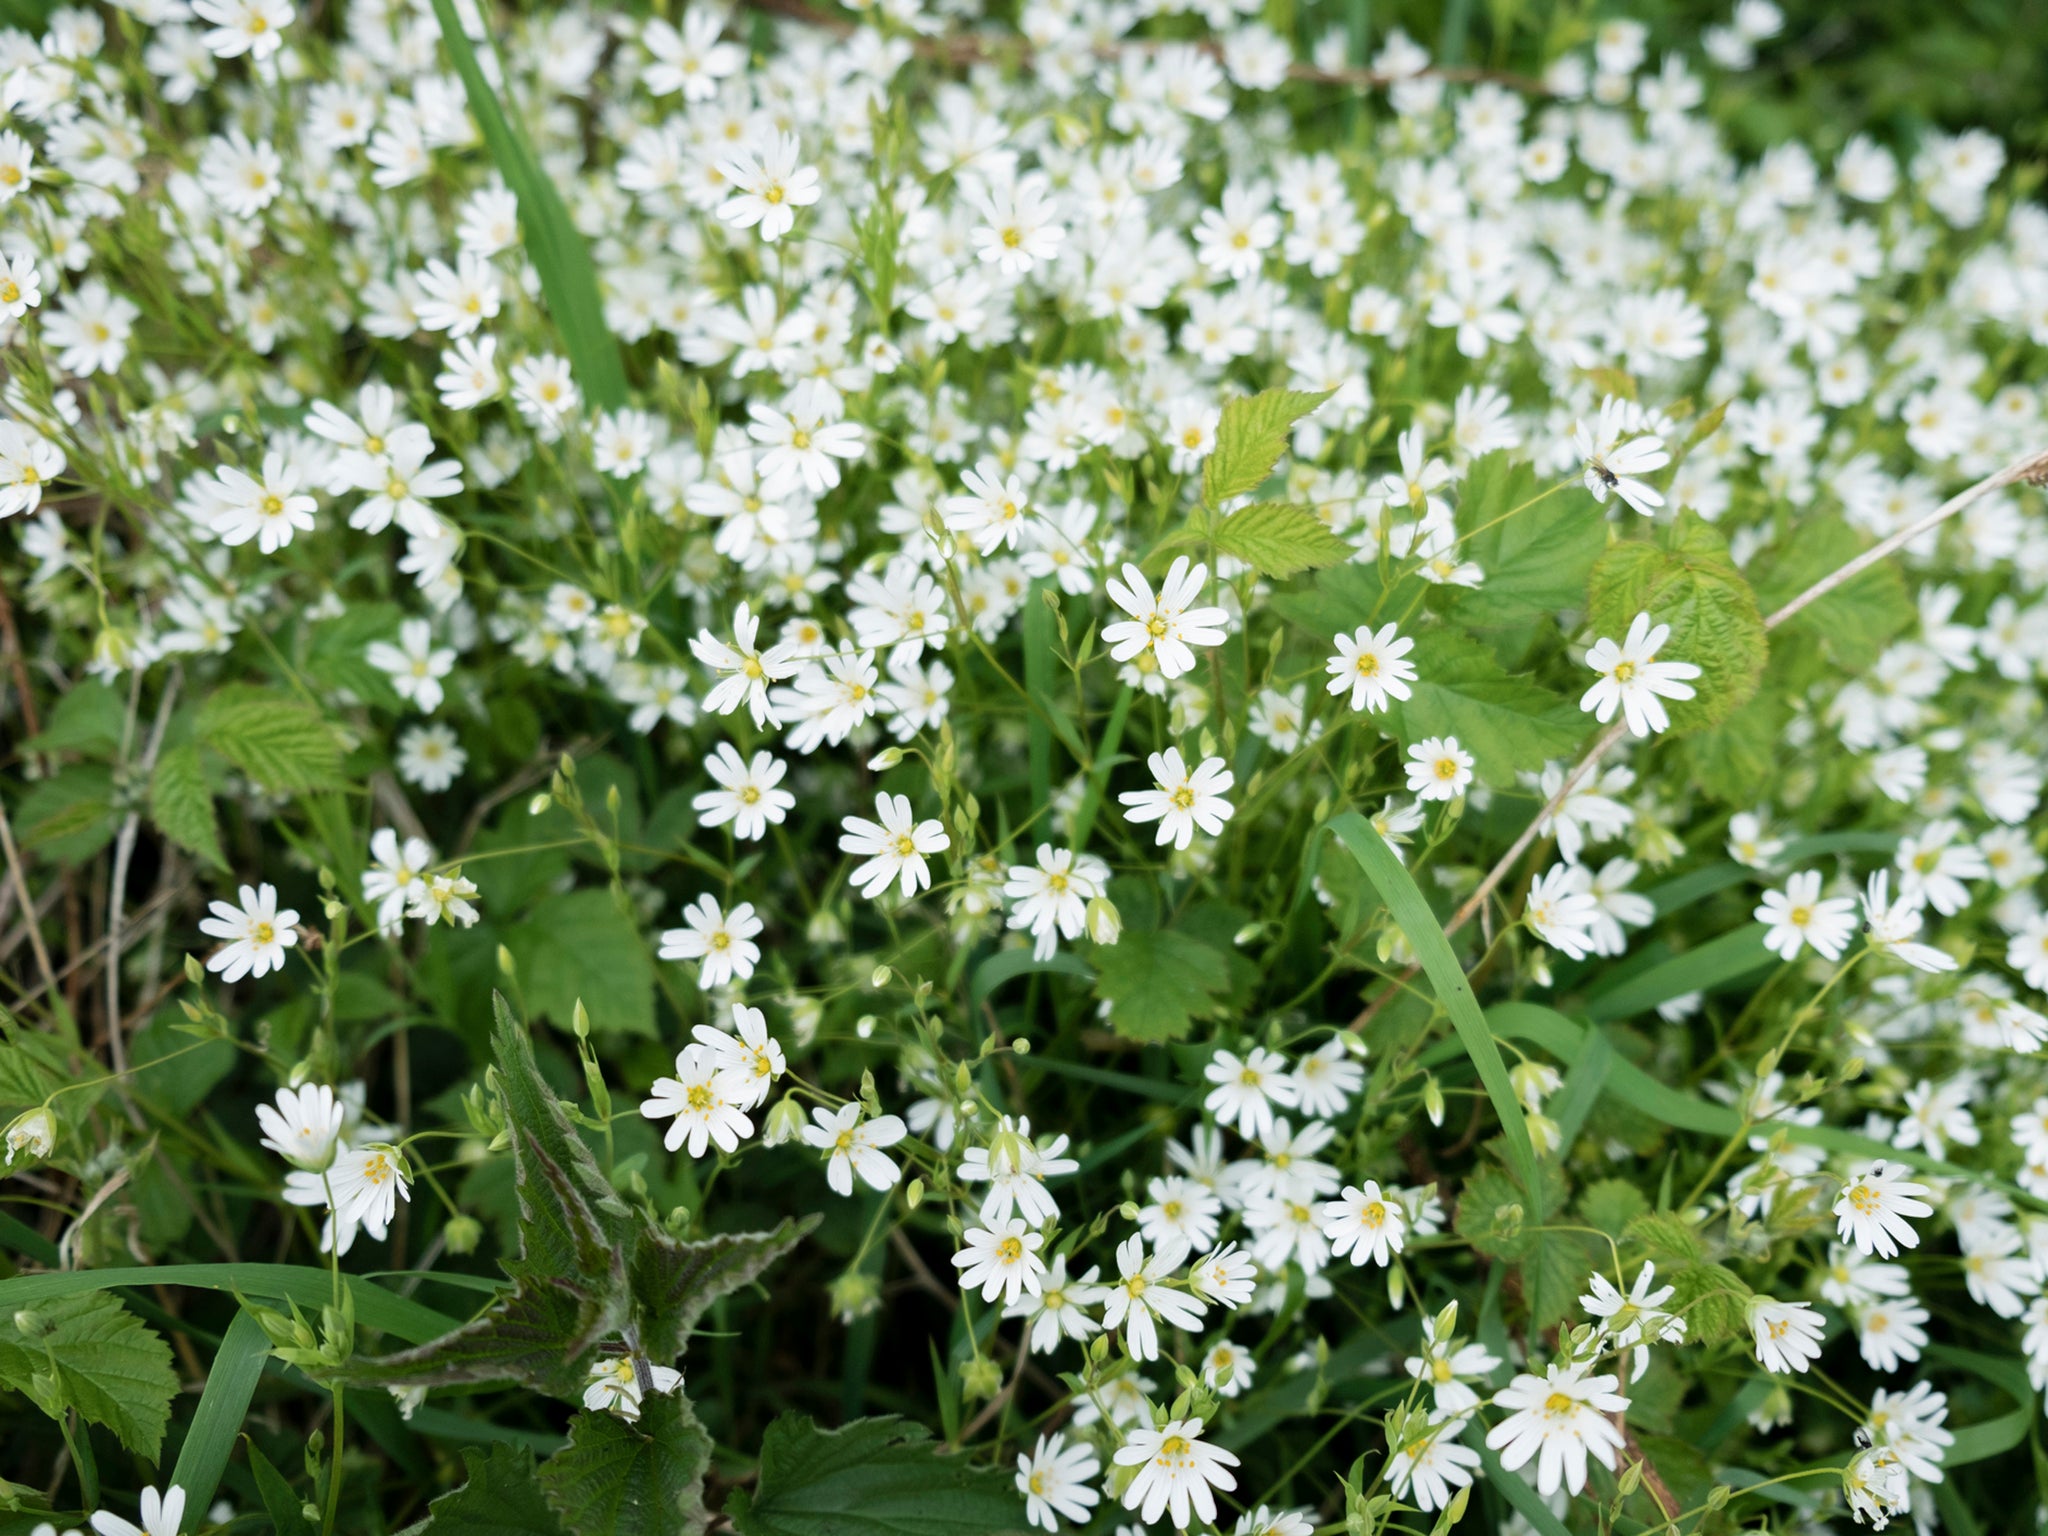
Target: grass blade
point(1715, 963)
point(217, 1422)
point(1411, 911)
point(568, 277)
point(309, 1287)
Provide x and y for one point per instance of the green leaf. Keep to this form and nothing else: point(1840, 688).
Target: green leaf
point(1736, 760)
point(1686, 580)
point(1250, 438)
point(1713, 1300)
point(1007, 964)
point(285, 1508)
point(1525, 1500)
point(580, 945)
point(1857, 620)
point(338, 658)
point(620, 1479)
point(502, 1498)
point(89, 719)
point(1992, 1437)
point(279, 741)
point(181, 804)
point(1412, 915)
point(874, 1477)
point(1278, 539)
point(568, 277)
point(1508, 724)
point(1038, 674)
point(1610, 1205)
point(1346, 596)
point(1728, 958)
point(1536, 547)
point(1669, 1237)
point(70, 817)
point(569, 1289)
point(1157, 984)
point(91, 1353)
point(375, 1307)
point(217, 1422)
point(673, 1281)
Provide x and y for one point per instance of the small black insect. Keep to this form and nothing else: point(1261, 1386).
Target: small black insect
point(1605, 474)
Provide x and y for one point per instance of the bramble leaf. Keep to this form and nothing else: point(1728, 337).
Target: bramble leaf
point(1250, 439)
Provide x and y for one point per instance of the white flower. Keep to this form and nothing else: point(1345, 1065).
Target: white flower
point(1798, 916)
point(1444, 1363)
point(1438, 768)
point(254, 27)
point(769, 185)
point(1365, 1224)
point(745, 670)
point(1561, 909)
point(28, 463)
point(1002, 1258)
point(33, 1131)
point(444, 896)
point(993, 511)
point(162, 1514)
point(749, 1057)
point(1020, 224)
point(614, 1386)
point(460, 298)
point(703, 1102)
point(852, 1145)
point(747, 795)
point(1910, 1424)
point(894, 845)
point(1787, 1334)
point(1370, 667)
point(1876, 1484)
point(1015, 1170)
point(1433, 1468)
point(1873, 1208)
point(1059, 1309)
point(1225, 1276)
point(1612, 464)
point(1050, 899)
point(803, 446)
point(414, 666)
point(304, 1127)
point(1054, 1479)
point(1167, 626)
point(1140, 1299)
point(722, 942)
point(257, 934)
point(1326, 1078)
point(90, 328)
point(429, 756)
point(1632, 678)
point(1893, 926)
point(367, 1183)
point(1177, 1470)
point(395, 870)
point(1181, 801)
point(1248, 1087)
point(269, 509)
point(1563, 1415)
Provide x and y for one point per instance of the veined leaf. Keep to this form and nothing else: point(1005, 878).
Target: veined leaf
point(181, 804)
point(501, 1498)
point(620, 1479)
point(1157, 984)
point(673, 1281)
point(1536, 547)
point(1250, 439)
point(874, 1477)
point(375, 1307)
point(1508, 724)
point(92, 1354)
point(1278, 539)
point(281, 742)
point(568, 276)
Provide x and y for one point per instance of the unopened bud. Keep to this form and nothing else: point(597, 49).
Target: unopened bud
point(539, 803)
point(462, 1234)
point(1105, 923)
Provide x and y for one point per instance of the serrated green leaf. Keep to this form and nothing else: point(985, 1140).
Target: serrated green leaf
point(620, 1479)
point(1157, 984)
point(1669, 1238)
point(181, 804)
point(1536, 548)
point(1509, 724)
point(1345, 596)
point(1610, 1205)
point(1250, 438)
point(674, 1281)
point(1279, 539)
point(70, 817)
point(1856, 621)
point(90, 1353)
point(88, 719)
point(874, 1477)
point(501, 1498)
point(579, 945)
point(568, 276)
point(279, 741)
point(1736, 760)
point(1713, 1300)
point(1684, 579)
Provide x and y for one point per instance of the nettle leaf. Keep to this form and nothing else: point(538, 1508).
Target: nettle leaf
point(88, 1352)
point(1855, 622)
point(1250, 439)
point(181, 804)
point(502, 1498)
point(580, 946)
point(874, 1477)
point(281, 742)
point(1685, 579)
point(1157, 984)
point(1278, 539)
point(674, 1281)
point(620, 1479)
point(569, 1290)
point(1536, 547)
point(1508, 723)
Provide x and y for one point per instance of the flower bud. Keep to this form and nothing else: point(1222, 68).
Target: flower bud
point(33, 1131)
point(1105, 923)
point(785, 1120)
point(462, 1234)
point(980, 1378)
